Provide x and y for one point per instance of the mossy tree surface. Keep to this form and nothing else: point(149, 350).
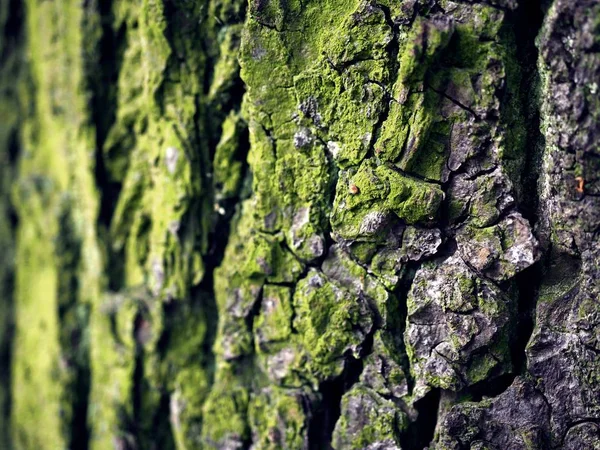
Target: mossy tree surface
point(299, 224)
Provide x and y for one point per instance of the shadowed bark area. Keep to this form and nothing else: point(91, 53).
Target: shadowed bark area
point(11, 67)
point(319, 224)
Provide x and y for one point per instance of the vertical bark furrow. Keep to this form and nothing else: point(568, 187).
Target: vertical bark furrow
point(59, 264)
point(11, 69)
point(176, 147)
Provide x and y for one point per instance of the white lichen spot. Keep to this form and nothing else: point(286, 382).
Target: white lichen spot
point(301, 218)
point(171, 157)
point(279, 364)
point(366, 140)
point(268, 305)
point(258, 53)
point(173, 227)
point(333, 148)
point(303, 138)
point(158, 274)
point(373, 222)
point(524, 251)
point(175, 409)
point(316, 245)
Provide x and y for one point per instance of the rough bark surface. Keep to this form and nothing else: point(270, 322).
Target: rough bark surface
point(301, 224)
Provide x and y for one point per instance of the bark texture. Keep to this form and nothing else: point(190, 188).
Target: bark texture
point(301, 224)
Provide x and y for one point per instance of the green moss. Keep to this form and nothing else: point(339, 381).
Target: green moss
point(278, 419)
point(112, 359)
point(274, 322)
point(226, 70)
point(163, 178)
point(58, 275)
point(350, 276)
point(410, 117)
point(329, 322)
point(367, 418)
point(482, 368)
point(423, 45)
point(388, 266)
point(225, 416)
point(255, 258)
point(227, 176)
point(438, 61)
point(365, 199)
point(36, 376)
point(347, 106)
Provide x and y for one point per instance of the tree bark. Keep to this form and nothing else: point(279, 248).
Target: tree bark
point(299, 224)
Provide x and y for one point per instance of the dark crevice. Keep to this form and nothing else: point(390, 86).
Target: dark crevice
point(456, 102)
point(13, 150)
point(254, 311)
point(401, 292)
point(215, 214)
point(102, 69)
point(138, 382)
point(73, 319)
point(80, 431)
point(11, 66)
point(161, 435)
point(322, 423)
point(103, 73)
point(12, 31)
point(419, 433)
point(487, 388)
point(7, 284)
point(74, 316)
point(528, 283)
point(526, 22)
point(218, 239)
point(223, 211)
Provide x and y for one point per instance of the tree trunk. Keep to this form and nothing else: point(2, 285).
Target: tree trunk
point(299, 224)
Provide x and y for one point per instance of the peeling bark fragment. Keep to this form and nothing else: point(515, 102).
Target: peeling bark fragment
point(583, 435)
point(457, 328)
point(331, 323)
point(500, 251)
point(516, 419)
point(419, 243)
point(383, 371)
point(368, 421)
point(279, 418)
point(480, 200)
